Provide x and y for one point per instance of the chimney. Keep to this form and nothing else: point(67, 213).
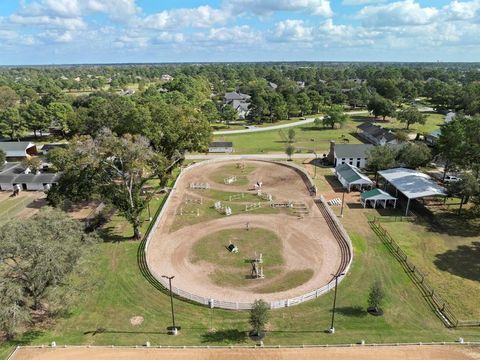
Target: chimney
point(331, 156)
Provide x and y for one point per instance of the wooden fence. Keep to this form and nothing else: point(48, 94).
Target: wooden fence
point(440, 306)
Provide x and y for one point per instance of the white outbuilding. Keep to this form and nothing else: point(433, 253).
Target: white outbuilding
point(352, 178)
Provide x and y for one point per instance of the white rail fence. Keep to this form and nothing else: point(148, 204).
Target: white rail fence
point(277, 304)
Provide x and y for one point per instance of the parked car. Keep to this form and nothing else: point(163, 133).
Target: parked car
point(451, 179)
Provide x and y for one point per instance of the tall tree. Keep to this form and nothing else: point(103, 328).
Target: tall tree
point(467, 187)
point(411, 115)
point(259, 315)
point(381, 158)
point(3, 158)
point(380, 106)
point(59, 113)
point(413, 155)
point(38, 254)
point(8, 97)
point(335, 116)
point(116, 168)
point(11, 123)
point(229, 114)
point(35, 116)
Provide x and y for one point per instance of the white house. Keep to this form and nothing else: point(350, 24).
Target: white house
point(352, 154)
point(239, 102)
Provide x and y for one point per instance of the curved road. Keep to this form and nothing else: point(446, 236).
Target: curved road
point(278, 127)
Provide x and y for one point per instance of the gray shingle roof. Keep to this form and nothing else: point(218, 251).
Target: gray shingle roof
point(351, 150)
point(217, 144)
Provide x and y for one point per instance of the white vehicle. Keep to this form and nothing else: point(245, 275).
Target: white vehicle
point(451, 179)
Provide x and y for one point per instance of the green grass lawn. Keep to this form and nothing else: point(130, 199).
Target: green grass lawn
point(231, 269)
point(450, 256)
point(433, 122)
point(116, 291)
point(308, 138)
point(10, 207)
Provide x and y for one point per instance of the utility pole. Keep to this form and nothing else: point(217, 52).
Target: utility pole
point(332, 327)
point(343, 203)
point(173, 330)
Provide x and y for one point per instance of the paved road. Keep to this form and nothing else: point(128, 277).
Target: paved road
point(277, 127)
point(277, 156)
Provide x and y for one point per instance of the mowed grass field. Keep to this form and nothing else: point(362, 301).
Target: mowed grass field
point(116, 291)
point(449, 256)
point(432, 123)
point(308, 138)
point(21, 206)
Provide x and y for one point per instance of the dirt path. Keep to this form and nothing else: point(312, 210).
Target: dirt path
point(338, 353)
point(307, 242)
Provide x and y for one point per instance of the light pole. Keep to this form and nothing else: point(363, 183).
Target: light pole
point(315, 164)
point(173, 329)
point(343, 203)
point(332, 327)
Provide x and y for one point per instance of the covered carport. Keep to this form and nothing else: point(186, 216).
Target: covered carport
point(412, 184)
point(352, 178)
point(377, 196)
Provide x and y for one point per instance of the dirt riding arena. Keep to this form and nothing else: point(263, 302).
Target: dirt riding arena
point(334, 353)
point(307, 241)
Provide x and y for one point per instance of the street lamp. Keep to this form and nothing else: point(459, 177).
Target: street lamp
point(343, 203)
point(315, 164)
point(173, 329)
point(332, 328)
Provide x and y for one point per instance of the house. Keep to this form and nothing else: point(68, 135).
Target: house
point(220, 147)
point(352, 178)
point(18, 150)
point(13, 176)
point(272, 85)
point(301, 84)
point(358, 81)
point(449, 117)
point(166, 77)
point(126, 92)
point(376, 134)
point(352, 154)
point(239, 102)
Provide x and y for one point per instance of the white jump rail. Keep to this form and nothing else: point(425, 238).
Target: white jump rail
point(277, 304)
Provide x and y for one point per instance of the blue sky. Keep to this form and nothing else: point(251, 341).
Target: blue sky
point(116, 31)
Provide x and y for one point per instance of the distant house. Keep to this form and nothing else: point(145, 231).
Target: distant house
point(272, 85)
point(166, 77)
point(220, 147)
point(352, 178)
point(126, 92)
point(301, 84)
point(352, 154)
point(376, 134)
point(13, 176)
point(357, 81)
point(18, 150)
point(239, 102)
point(449, 117)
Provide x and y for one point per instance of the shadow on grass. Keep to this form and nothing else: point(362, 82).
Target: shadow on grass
point(334, 183)
point(105, 331)
point(463, 261)
point(449, 222)
point(352, 311)
point(25, 339)
point(108, 235)
point(230, 335)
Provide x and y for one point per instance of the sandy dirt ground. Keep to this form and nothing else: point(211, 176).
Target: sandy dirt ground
point(33, 200)
point(339, 353)
point(307, 242)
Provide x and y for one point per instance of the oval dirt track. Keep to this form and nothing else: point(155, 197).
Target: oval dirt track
point(307, 242)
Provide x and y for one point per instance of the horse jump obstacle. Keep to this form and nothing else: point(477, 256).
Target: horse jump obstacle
point(288, 204)
point(195, 212)
point(254, 206)
point(300, 208)
point(236, 197)
point(230, 180)
point(191, 200)
point(257, 267)
point(335, 202)
point(222, 209)
point(265, 196)
point(199, 186)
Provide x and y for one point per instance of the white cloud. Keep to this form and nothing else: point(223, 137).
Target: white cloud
point(48, 21)
point(267, 7)
point(200, 17)
point(292, 31)
point(407, 12)
point(457, 10)
point(361, 2)
point(229, 36)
